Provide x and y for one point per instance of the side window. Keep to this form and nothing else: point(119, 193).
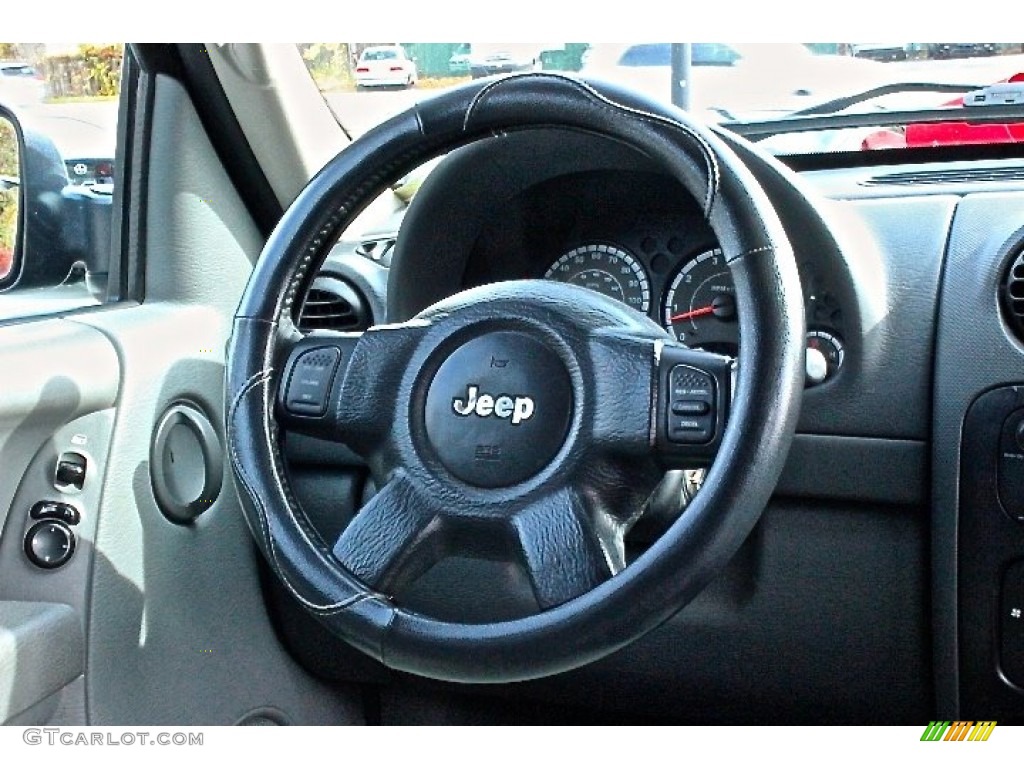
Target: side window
point(58, 136)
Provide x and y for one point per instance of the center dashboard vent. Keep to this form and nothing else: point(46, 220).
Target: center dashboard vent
point(1012, 295)
point(333, 304)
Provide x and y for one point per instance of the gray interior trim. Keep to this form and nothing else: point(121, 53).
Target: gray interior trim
point(79, 375)
point(287, 122)
point(42, 649)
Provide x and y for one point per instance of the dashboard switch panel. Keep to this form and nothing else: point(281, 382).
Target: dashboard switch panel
point(1011, 657)
point(1010, 471)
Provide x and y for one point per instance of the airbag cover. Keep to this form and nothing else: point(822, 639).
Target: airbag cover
point(498, 409)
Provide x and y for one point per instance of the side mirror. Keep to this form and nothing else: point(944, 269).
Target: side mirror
point(50, 231)
point(12, 209)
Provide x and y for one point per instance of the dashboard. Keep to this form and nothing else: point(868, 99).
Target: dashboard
point(881, 583)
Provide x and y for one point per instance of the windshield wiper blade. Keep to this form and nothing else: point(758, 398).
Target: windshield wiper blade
point(1002, 113)
point(845, 102)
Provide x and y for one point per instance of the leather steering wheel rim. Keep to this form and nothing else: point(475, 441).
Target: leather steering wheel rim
point(750, 454)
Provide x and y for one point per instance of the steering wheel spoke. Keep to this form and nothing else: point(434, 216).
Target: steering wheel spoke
point(625, 375)
point(565, 550)
point(651, 393)
point(344, 386)
point(394, 538)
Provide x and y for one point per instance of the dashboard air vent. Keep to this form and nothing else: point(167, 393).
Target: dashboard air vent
point(333, 305)
point(378, 250)
point(1013, 295)
point(952, 176)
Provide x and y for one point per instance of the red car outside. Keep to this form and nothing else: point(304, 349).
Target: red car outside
point(948, 134)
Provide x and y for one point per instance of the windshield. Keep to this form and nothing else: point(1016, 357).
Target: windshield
point(792, 98)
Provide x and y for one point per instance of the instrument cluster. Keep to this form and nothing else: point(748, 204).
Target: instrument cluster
point(684, 283)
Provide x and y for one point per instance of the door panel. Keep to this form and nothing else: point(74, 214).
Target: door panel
point(53, 371)
point(174, 624)
point(59, 382)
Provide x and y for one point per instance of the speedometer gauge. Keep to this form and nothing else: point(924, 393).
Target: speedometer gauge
point(605, 269)
point(700, 306)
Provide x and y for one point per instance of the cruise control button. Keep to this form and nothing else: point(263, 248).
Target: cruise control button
point(310, 383)
point(690, 407)
point(688, 430)
point(687, 425)
point(688, 383)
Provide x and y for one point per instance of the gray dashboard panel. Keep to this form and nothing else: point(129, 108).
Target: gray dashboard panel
point(973, 353)
point(885, 389)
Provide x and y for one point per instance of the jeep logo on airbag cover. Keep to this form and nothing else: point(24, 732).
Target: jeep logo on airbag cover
point(517, 408)
point(498, 409)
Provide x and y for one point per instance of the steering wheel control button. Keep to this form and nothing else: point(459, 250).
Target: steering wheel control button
point(309, 385)
point(691, 418)
point(49, 544)
point(498, 409)
point(693, 405)
point(70, 473)
point(690, 407)
point(55, 510)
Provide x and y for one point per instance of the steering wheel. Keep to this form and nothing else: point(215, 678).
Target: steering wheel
point(526, 421)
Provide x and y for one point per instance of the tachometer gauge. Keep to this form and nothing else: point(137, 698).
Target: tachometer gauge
point(605, 269)
point(700, 306)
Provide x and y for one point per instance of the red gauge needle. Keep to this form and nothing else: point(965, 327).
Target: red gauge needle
point(692, 313)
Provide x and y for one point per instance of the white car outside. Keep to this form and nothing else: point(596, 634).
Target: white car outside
point(385, 65)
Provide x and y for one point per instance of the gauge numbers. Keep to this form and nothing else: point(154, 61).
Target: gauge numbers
point(607, 270)
point(700, 306)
